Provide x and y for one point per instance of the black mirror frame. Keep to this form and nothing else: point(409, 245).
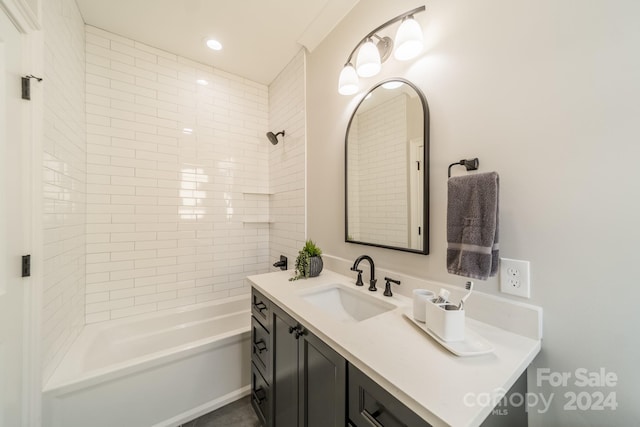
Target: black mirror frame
point(425, 225)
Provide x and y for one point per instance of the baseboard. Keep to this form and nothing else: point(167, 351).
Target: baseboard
point(204, 408)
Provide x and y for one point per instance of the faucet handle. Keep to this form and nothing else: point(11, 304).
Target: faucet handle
point(387, 286)
point(359, 280)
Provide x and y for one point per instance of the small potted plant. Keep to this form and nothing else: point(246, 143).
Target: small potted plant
point(309, 262)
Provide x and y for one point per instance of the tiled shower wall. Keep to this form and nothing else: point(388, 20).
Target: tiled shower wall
point(64, 176)
point(287, 161)
point(175, 171)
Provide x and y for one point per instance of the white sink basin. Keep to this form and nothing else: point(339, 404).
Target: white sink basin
point(346, 304)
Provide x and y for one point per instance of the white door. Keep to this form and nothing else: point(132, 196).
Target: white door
point(416, 193)
point(12, 241)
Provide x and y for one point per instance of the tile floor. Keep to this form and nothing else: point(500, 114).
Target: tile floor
point(236, 414)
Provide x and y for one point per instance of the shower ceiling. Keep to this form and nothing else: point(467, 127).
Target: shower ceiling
point(259, 37)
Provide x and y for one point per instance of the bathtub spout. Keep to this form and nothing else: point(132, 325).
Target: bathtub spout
point(282, 263)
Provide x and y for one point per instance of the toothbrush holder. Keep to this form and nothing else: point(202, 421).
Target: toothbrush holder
point(445, 320)
point(420, 299)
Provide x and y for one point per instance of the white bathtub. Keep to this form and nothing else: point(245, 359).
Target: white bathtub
point(158, 370)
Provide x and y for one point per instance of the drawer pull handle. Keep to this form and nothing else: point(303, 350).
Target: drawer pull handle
point(371, 417)
point(260, 306)
point(260, 346)
point(259, 395)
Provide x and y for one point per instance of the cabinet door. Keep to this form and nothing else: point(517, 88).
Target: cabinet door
point(322, 381)
point(284, 387)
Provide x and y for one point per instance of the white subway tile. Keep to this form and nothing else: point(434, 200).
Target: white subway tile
point(164, 206)
point(129, 48)
point(109, 72)
point(109, 247)
point(97, 297)
point(97, 317)
point(132, 274)
point(109, 266)
point(160, 67)
point(154, 51)
point(111, 305)
point(179, 302)
point(132, 292)
point(155, 297)
point(175, 286)
point(110, 285)
point(158, 279)
point(132, 311)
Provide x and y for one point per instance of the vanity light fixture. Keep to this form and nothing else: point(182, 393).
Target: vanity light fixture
point(409, 41)
point(393, 84)
point(368, 63)
point(371, 55)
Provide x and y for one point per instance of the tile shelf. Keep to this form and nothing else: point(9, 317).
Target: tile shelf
point(257, 193)
point(258, 219)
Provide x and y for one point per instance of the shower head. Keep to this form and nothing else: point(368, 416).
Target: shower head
point(273, 137)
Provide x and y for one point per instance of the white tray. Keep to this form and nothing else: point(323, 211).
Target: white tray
point(472, 345)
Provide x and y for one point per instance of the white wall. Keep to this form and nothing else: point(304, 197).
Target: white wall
point(287, 162)
point(64, 176)
point(546, 94)
point(170, 217)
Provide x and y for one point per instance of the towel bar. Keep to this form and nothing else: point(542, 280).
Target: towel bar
point(470, 164)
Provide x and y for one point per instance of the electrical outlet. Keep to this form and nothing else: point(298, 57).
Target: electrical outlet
point(514, 277)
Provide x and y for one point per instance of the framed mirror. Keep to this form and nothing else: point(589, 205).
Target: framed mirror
point(387, 169)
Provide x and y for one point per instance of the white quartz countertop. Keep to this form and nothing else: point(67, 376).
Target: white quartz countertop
point(439, 386)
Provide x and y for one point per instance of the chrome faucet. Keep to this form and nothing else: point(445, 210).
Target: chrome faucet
point(372, 281)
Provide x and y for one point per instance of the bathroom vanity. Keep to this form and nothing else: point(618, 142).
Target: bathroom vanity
point(368, 365)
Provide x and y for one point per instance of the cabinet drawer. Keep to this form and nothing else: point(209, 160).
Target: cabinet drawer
point(260, 343)
point(260, 308)
point(260, 396)
point(372, 406)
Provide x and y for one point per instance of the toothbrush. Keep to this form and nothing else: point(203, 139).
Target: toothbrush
point(442, 296)
point(469, 287)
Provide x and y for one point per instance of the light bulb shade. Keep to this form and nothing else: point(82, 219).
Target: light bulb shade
point(409, 42)
point(348, 81)
point(394, 84)
point(368, 62)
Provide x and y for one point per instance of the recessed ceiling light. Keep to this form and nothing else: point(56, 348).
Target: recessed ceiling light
point(202, 82)
point(187, 131)
point(214, 44)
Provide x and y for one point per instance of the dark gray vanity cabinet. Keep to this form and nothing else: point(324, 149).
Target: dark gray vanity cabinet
point(371, 405)
point(261, 357)
point(299, 381)
point(304, 380)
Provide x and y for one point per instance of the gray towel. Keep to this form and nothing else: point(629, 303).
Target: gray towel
point(472, 225)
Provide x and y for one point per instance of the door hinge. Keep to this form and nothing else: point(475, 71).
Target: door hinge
point(26, 265)
point(26, 86)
